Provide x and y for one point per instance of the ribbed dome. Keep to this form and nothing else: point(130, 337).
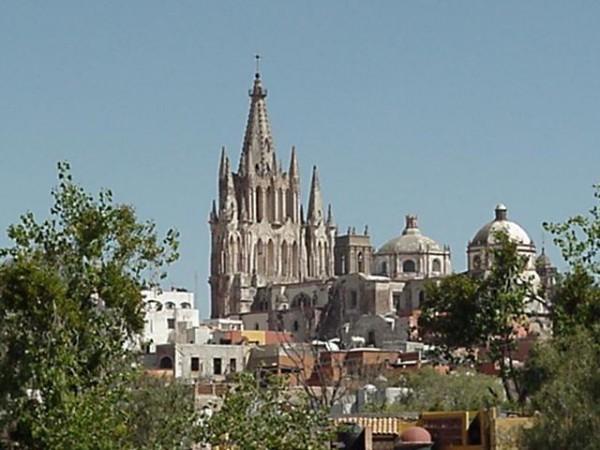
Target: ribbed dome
point(486, 235)
point(411, 241)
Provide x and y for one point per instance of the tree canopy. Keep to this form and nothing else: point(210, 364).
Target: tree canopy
point(427, 389)
point(466, 316)
point(564, 380)
point(562, 376)
point(70, 308)
point(263, 414)
point(579, 237)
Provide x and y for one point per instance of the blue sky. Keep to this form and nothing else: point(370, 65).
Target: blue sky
point(441, 109)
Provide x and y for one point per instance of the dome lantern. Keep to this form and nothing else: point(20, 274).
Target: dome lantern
point(501, 212)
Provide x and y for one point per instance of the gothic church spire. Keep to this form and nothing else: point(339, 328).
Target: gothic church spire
point(315, 200)
point(258, 144)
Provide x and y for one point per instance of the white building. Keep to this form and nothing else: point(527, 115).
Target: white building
point(169, 314)
point(201, 361)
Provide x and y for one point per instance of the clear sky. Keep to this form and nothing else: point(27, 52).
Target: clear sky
point(436, 108)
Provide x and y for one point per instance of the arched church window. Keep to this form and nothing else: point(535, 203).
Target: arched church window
point(270, 258)
point(232, 254)
point(436, 265)
point(296, 326)
point(295, 259)
point(361, 262)
point(384, 270)
point(284, 259)
point(259, 204)
point(280, 203)
point(260, 257)
point(409, 266)
point(240, 255)
point(270, 204)
point(319, 268)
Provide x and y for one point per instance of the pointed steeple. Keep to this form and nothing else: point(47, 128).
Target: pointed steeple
point(315, 201)
point(293, 172)
point(227, 198)
point(222, 169)
point(229, 177)
point(258, 140)
point(214, 217)
point(329, 216)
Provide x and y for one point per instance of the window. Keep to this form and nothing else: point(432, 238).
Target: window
point(296, 326)
point(256, 327)
point(170, 305)
point(233, 365)
point(171, 324)
point(436, 265)
point(371, 338)
point(165, 363)
point(353, 299)
point(397, 297)
point(384, 270)
point(195, 363)
point(217, 369)
point(361, 263)
point(409, 266)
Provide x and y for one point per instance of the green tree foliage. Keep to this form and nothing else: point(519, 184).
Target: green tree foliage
point(462, 314)
point(579, 238)
point(70, 306)
point(428, 390)
point(575, 302)
point(160, 414)
point(565, 376)
point(576, 299)
point(266, 415)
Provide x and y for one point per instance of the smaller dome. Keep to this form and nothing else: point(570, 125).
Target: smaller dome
point(485, 236)
point(411, 241)
point(416, 435)
point(543, 261)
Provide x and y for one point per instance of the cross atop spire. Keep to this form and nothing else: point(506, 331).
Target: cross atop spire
point(257, 74)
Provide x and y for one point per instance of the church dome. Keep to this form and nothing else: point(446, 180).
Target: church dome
point(486, 235)
point(543, 261)
point(411, 241)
